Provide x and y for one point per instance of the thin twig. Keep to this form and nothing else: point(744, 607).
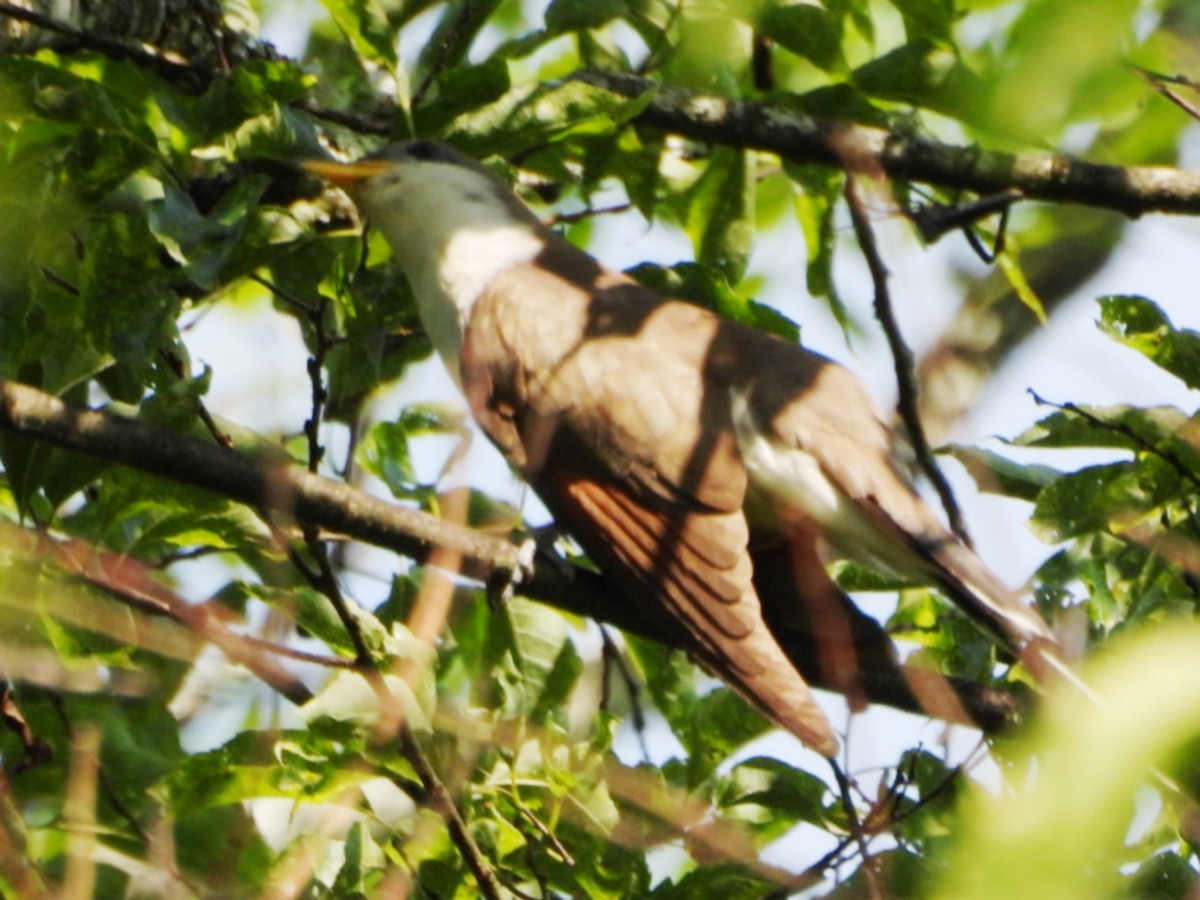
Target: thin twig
point(565, 218)
point(612, 657)
point(936, 219)
point(856, 832)
point(356, 123)
point(902, 359)
point(1159, 83)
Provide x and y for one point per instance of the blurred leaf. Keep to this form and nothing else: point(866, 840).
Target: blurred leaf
point(815, 206)
point(1044, 57)
point(1011, 847)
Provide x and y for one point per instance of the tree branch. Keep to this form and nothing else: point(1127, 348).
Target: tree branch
point(314, 500)
point(1132, 190)
point(282, 490)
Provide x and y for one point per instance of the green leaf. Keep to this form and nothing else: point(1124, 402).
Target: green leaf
point(128, 308)
point(1023, 290)
point(365, 23)
point(233, 237)
point(534, 114)
point(528, 641)
point(720, 212)
point(385, 451)
point(994, 474)
point(575, 15)
point(302, 765)
point(721, 722)
point(705, 287)
point(815, 209)
point(927, 18)
point(1111, 498)
point(725, 880)
point(926, 75)
point(808, 31)
point(461, 91)
point(1157, 429)
point(771, 796)
point(1141, 324)
point(152, 517)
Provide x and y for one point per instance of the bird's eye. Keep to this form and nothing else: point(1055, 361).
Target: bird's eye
point(429, 151)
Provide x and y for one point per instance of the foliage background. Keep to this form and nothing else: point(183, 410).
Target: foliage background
point(188, 697)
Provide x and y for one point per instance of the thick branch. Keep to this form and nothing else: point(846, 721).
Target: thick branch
point(1132, 190)
point(284, 491)
point(314, 500)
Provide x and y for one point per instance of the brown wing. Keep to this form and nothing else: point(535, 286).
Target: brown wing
point(606, 407)
point(820, 408)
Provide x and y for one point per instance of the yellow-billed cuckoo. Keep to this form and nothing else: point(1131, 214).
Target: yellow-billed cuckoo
point(693, 458)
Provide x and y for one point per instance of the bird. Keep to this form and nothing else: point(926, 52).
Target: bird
point(709, 469)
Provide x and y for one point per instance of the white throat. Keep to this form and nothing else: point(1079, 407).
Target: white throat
point(452, 234)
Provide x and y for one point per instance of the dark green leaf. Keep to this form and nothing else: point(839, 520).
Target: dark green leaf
point(721, 722)
point(927, 18)
point(128, 308)
point(574, 15)
point(808, 31)
point(724, 880)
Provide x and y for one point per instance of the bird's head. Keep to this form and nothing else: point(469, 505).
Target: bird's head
point(451, 224)
point(424, 192)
